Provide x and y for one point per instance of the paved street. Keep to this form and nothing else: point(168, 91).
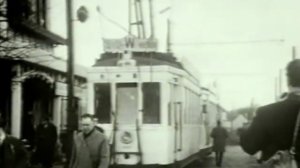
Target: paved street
point(233, 158)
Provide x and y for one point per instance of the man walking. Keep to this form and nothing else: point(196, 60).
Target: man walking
point(90, 149)
point(12, 151)
point(273, 126)
point(219, 135)
point(46, 138)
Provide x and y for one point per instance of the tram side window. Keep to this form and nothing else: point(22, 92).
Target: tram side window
point(151, 103)
point(102, 102)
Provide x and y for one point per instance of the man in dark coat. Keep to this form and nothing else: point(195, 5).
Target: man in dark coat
point(46, 138)
point(219, 135)
point(12, 152)
point(90, 147)
point(273, 126)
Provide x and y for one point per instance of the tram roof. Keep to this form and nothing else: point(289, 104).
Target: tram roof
point(142, 58)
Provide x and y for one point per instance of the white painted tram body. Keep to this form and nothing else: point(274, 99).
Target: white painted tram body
point(152, 112)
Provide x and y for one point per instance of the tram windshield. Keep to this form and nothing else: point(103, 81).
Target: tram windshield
point(127, 102)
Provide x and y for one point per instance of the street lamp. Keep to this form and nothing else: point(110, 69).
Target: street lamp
point(72, 118)
point(70, 80)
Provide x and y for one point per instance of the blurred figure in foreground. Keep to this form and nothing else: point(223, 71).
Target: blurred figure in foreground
point(12, 152)
point(273, 126)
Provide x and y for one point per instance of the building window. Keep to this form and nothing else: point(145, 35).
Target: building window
point(33, 11)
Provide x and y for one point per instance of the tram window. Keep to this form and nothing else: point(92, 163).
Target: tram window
point(102, 102)
point(151, 103)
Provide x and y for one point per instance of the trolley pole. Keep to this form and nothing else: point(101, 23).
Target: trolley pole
point(71, 114)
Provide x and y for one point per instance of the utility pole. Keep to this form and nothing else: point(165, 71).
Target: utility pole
point(71, 114)
point(294, 53)
point(280, 83)
point(169, 36)
point(276, 89)
point(70, 72)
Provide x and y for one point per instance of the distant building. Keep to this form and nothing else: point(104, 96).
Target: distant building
point(238, 121)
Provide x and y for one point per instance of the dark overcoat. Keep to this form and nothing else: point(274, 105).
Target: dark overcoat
point(13, 154)
point(46, 138)
point(272, 128)
point(219, 135)
point(90, 151)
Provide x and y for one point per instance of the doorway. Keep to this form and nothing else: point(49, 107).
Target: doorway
point(37, 104)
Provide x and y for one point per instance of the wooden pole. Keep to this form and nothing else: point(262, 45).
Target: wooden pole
point(169, 36)
point(294, 53)
point(71, 114)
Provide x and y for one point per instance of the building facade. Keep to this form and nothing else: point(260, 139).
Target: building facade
point(33, 84)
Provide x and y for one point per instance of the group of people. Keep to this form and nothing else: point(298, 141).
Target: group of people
point(90, 146)
point(273, 129)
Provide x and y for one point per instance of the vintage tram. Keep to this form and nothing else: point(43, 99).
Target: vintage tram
point(151, 108)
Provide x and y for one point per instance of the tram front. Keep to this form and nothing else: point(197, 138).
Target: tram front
point(128, 110)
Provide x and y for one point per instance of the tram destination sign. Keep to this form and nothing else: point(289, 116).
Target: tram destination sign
point(129, 43)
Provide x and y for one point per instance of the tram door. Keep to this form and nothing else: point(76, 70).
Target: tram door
point(178, 126)
point(177, 118)
point(126, 118)
point(127, 103)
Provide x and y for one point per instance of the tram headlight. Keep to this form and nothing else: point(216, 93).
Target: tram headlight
point(126, 138)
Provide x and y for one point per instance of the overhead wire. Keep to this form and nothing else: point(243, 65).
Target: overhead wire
point(115, 23)
point(228, 42)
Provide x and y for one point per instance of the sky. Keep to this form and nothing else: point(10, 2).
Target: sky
point(239, 47)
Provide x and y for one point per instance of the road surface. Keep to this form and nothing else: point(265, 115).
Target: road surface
point(234, 157)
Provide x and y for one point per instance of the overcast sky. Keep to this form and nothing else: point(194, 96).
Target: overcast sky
point(240, 45)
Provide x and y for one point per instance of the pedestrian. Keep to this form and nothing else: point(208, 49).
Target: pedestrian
point(90, 147)
point(97, 126)
point(219, 135)
point(46, 138)
point(12, 151)
point(28, 132)
point(273, 126)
